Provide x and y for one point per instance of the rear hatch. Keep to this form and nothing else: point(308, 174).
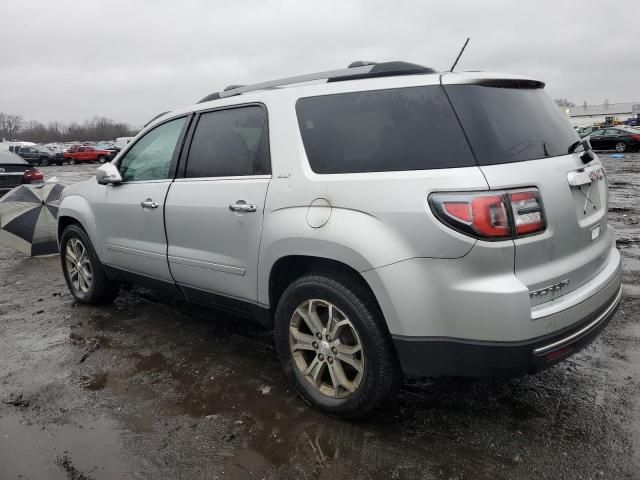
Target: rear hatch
point(11, 175)
point(520, 138)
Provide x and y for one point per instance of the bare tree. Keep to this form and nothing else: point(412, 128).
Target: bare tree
point(584, 105)
point(606, 104)
point(12, 125)
point(3, 125)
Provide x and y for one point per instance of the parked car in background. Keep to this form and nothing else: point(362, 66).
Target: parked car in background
point(584, 131)
point(88, 154)
point(373, 249)
point(112, 147)
point(57, 153)
point(122, 142)
point(14, 171)
point(38, 155)
point(620, 139)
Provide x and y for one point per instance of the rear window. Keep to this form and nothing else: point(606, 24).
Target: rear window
point(8, 158)
point(511, 124)
point(382, 130)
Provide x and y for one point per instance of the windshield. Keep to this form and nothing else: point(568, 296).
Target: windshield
point(511, 124)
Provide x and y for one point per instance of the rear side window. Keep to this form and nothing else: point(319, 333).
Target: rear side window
point(382, 130)
point(232, 142)
point(511, 124)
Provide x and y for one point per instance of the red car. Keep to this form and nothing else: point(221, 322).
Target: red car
point(82, 153)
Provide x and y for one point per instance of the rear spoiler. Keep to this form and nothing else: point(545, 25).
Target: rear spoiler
point(487, 79)
point(510, 83)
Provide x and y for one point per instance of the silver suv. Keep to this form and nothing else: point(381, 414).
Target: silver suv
point(386, 220)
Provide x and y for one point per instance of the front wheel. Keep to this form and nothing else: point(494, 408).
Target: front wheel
point(83, 272)
point(621, 147)
point(334, 345)
point(72, 161)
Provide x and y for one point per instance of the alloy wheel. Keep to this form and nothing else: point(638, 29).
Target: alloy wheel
point(621, 147)
point(326, 348)
point(78, 265)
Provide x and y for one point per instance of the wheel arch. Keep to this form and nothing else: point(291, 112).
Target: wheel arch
point(288, 268)
point(75, 209)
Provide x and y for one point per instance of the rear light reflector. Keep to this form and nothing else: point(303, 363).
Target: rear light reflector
point(636, 137)
point(33, 175)
point(491, 215)
point(527, 212)
point(490, 218)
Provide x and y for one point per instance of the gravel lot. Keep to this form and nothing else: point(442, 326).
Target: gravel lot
point(152, 387)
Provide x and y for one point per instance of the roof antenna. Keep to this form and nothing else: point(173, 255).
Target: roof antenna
point(459, 55)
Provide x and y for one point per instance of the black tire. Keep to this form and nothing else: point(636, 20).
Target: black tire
point(381, 373)
point(621, 147)
point(102, 159)
point(72, 161)
point(44, 161)
point(102, 289)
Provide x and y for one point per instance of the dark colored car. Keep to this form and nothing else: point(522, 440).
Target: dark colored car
point(16, 171)
point(36, 155)
point(620, 139)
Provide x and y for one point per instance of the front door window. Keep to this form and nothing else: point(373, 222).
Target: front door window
point(150, 158)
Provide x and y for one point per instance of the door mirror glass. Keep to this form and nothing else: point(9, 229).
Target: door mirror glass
point(108, 174)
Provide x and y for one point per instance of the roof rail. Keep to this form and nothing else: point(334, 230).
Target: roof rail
point(356, 70)
point(157, 116)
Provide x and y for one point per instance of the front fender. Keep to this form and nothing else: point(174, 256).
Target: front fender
point(77, 207)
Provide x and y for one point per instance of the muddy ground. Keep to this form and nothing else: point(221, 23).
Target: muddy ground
point(155, 388)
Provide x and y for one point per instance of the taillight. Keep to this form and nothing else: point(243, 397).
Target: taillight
point(527, 212)
point(33, 176)
point(636, 137)
point(493, 216)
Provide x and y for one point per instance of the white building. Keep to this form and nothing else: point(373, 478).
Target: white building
point(582, 116)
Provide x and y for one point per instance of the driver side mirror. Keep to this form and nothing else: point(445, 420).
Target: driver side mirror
point(108, 174)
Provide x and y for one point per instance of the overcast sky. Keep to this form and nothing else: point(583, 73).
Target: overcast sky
point(128, 60)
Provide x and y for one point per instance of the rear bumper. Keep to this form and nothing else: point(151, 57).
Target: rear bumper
point(424, 357)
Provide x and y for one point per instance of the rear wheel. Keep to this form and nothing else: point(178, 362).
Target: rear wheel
point(334, 346)
point(44, 161)
point(102, 159)
point(621, 147)
point(83, 272)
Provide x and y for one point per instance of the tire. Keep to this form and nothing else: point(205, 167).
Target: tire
point(72, 161)
point(621, 147)
point(44, 161)
point(379, 376)
point(102, 159)
point(99, 289)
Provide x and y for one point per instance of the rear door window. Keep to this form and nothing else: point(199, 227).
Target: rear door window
point(511, 124)
point(382, 130)
point(230, 143)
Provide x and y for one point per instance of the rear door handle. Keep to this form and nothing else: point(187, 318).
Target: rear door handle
point(242, 206)
point(148, 203)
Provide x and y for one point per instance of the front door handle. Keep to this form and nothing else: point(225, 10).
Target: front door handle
point(242, 206)
point(148, 203)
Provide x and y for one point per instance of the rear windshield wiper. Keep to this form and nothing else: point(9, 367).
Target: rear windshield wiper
point(574, 146)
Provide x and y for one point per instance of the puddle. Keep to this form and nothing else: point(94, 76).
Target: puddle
point(33, 452)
